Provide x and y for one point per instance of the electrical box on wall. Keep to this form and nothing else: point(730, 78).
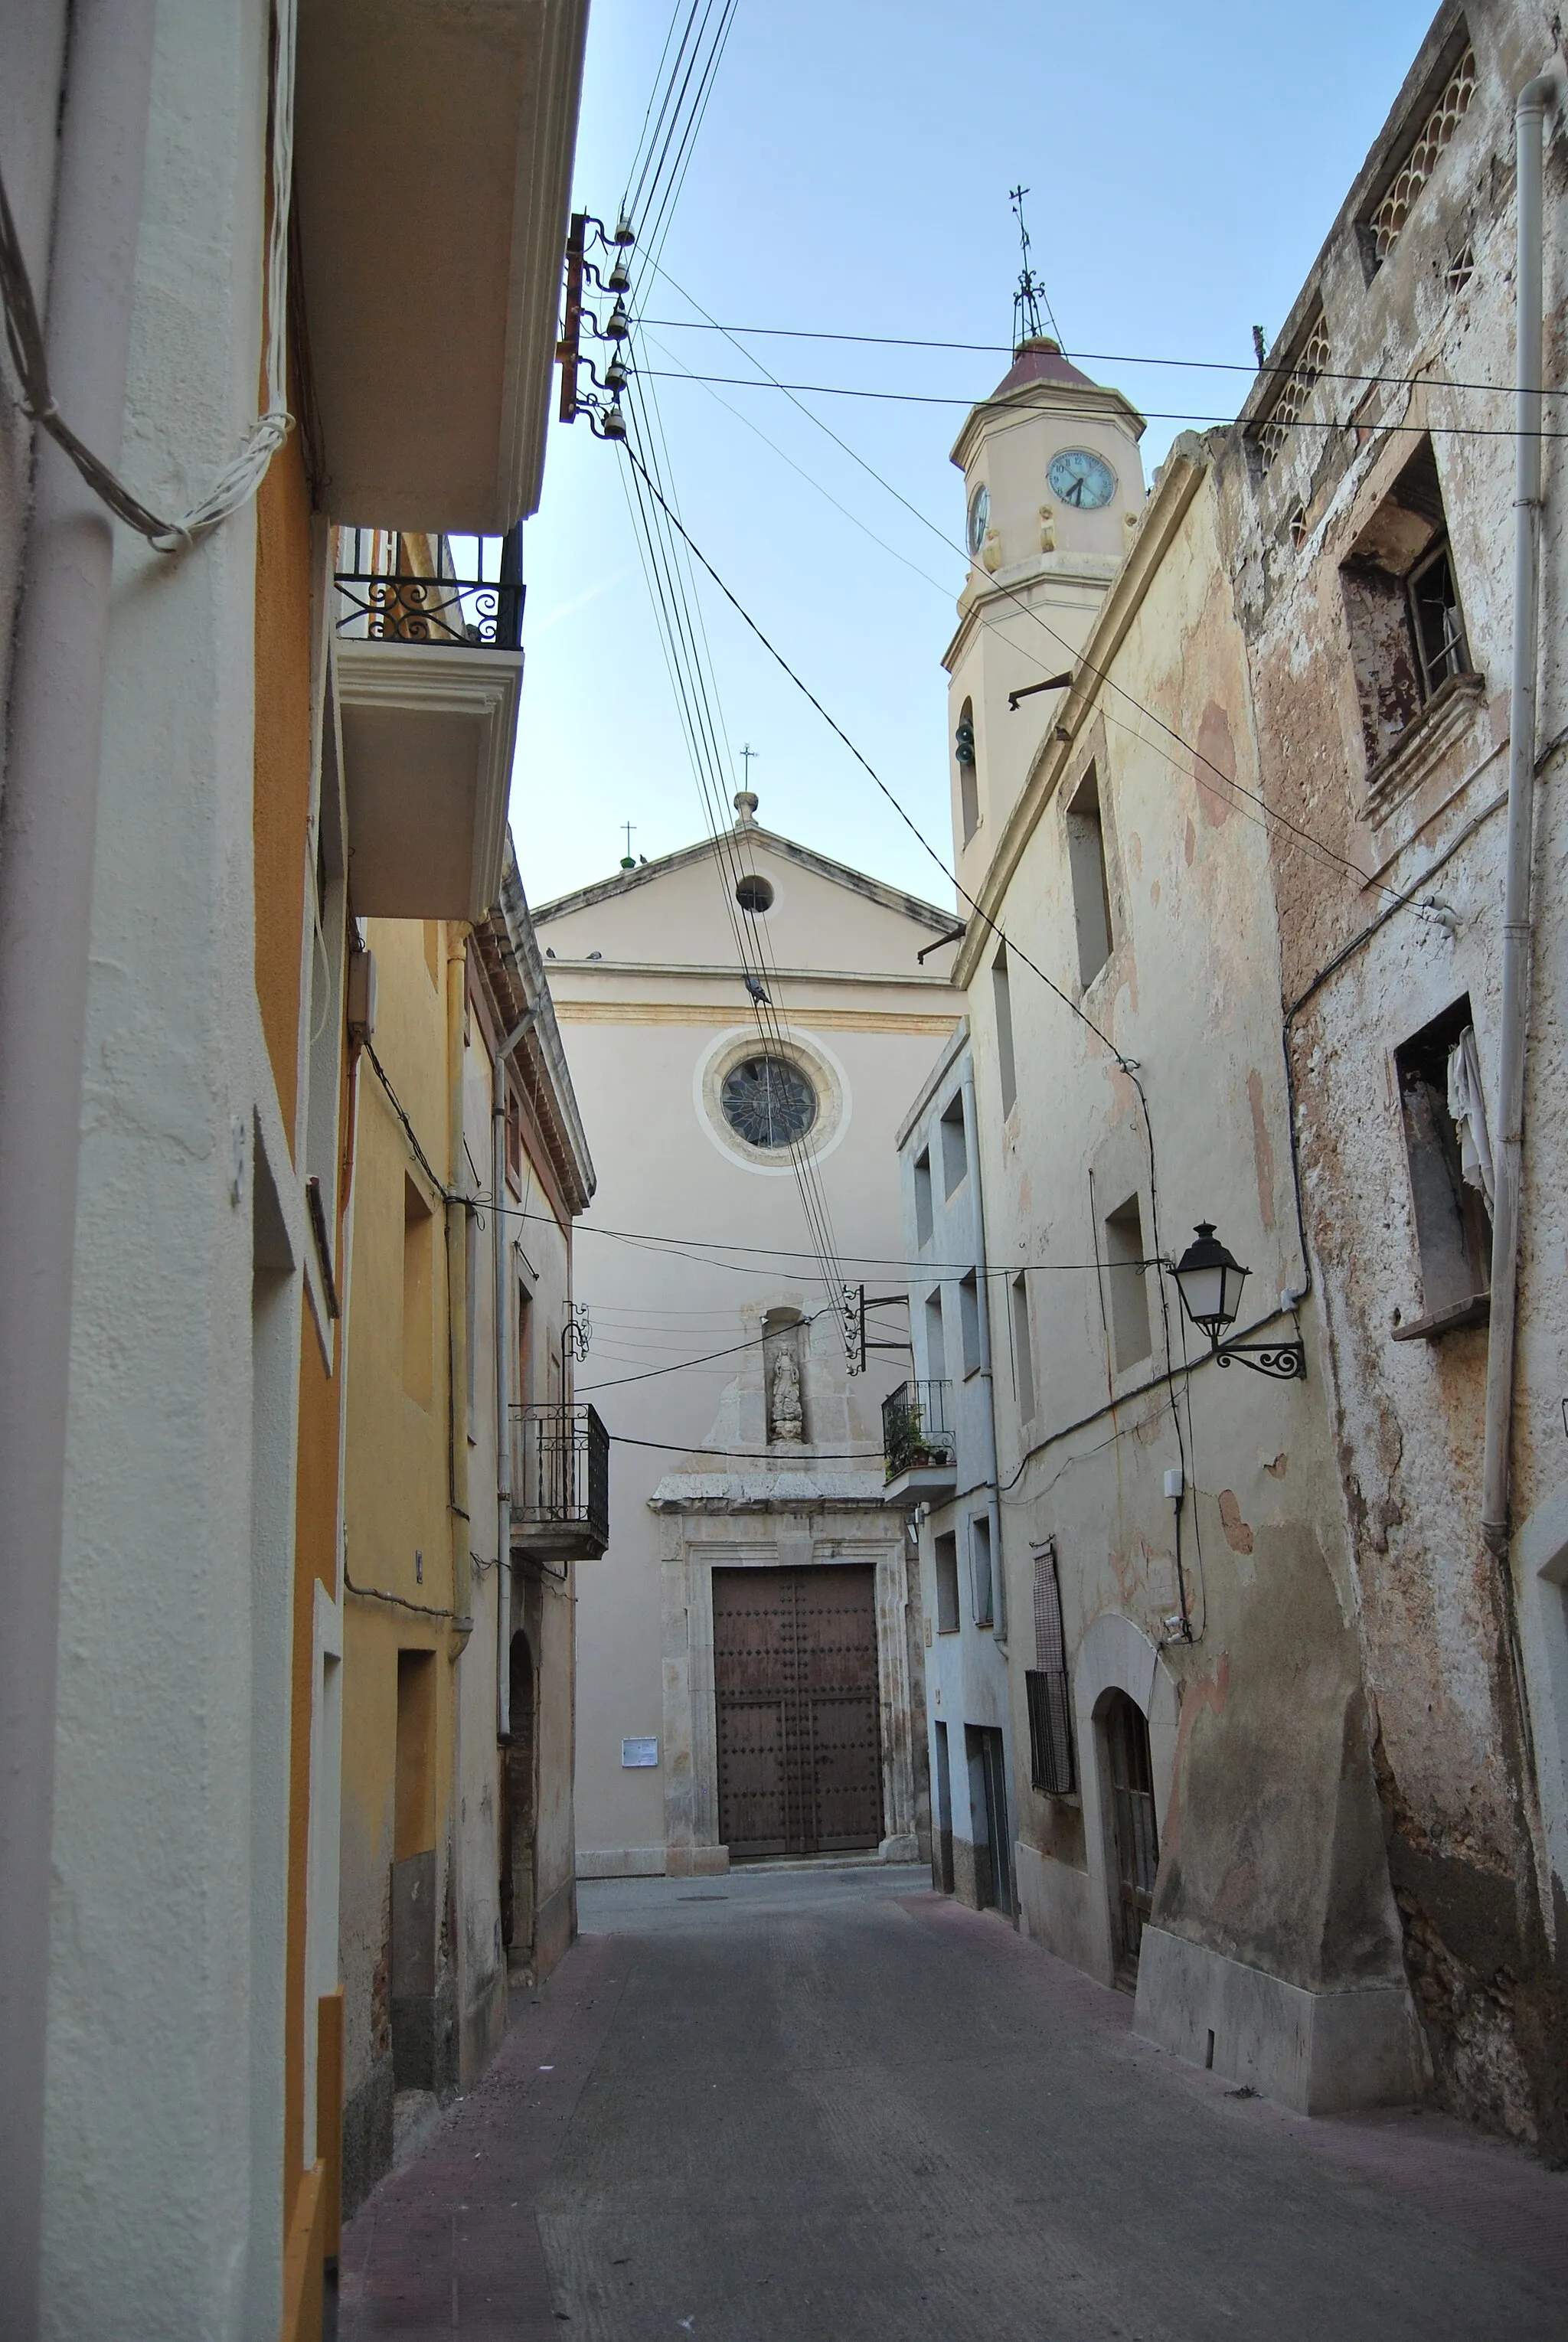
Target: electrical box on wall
point(361, 996)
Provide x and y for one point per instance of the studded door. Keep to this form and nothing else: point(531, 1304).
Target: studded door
point(796, 1683)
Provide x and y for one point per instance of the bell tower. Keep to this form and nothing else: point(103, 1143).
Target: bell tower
point(1053, 491)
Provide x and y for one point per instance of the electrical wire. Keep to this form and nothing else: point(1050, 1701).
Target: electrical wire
point(240, 478)
point(653, 191)
point(689, 657)
point(1014, 404)
point(753, 1342)
point(1087, 357)
point(694, 1248)
point(1235, 788)
point(687, 674)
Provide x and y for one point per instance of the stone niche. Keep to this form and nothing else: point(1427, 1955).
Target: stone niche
point(784, 1377)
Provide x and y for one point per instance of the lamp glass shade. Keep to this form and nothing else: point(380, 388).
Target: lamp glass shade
point(1210, 1282)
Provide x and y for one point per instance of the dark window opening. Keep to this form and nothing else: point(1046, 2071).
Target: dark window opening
point(1402, 604)
point(968, 772)
point(1022, 1349)
point(969, 1321)
point(1090, 891)
point(1001, 996)
point(754, 894)
point(923, 1219)
point(955, 1147)
point(1131, 1339)
point(935, 1339)
point(1448, 1154)
point(982, 1575)
point(945, 1547)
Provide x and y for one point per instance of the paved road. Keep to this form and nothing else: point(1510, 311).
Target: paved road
point(833, 2105)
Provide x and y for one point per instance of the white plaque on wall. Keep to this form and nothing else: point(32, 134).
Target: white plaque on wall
point(639, 1752)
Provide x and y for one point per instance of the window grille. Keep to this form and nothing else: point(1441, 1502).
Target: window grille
point(1051, 1750)
point(1290, 403)
point(1439, 128)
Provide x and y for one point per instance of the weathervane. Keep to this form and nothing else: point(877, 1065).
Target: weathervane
point(1030, 298)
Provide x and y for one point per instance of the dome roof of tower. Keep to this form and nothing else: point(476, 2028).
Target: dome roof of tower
point(1040, 360)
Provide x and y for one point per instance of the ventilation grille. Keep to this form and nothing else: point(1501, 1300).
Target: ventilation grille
point(1439, 128)
point(1274, 433)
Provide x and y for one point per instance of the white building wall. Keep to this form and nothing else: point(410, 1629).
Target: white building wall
point(644, 1025)
point(165, 2110)
point(968, 1664)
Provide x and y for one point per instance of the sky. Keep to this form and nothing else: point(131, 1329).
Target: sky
point(1185, 162)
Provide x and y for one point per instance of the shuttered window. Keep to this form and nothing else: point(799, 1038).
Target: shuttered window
point(1052, 1767)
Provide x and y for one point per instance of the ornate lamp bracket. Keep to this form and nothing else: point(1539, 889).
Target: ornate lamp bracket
point(1285, 1361)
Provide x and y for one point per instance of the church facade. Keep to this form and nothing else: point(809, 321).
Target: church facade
point(751, 1645)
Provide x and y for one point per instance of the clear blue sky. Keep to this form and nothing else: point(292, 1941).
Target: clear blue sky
point(1184, 160)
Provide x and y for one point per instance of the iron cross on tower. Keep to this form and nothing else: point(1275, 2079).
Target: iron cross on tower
point(747, 753)
point(1030, 298)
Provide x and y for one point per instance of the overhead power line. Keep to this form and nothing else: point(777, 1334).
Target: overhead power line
point(1077, 357)
point(1014, 404)
point(1235, 790)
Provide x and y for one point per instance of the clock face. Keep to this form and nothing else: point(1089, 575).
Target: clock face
point(979, 518)
point(1082, 479)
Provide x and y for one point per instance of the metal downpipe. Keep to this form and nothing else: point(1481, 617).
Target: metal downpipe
point(1528, 117)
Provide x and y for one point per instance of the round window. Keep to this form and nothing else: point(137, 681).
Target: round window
point(768, 1102)
point(754, 894)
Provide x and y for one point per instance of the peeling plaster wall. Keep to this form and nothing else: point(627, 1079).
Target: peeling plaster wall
point(1271, 1847)
point(1466, 1772)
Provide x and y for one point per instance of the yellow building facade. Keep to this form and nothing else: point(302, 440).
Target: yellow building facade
point(456, 1850)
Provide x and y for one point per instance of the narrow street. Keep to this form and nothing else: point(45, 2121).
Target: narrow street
point(830, 2103)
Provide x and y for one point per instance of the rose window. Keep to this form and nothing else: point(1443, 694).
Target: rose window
point(768, 1102)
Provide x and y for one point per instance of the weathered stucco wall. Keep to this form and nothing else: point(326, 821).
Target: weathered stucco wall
point(1470, 1779)
point(1272, 1881)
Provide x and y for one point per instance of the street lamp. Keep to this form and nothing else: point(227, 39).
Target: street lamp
point(1210, 1282)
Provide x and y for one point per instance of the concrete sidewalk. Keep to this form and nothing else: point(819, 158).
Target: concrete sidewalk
point(832, 2104)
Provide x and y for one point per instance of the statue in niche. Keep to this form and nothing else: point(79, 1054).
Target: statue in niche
point(787, 1420)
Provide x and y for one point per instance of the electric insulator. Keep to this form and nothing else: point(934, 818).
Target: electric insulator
point(616, 378)
point(614, 422)
point(623, 232)
point(620, 277)
point(619, 324)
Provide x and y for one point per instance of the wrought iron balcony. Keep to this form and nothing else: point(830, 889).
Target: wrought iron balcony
point(560, 1480)
point(917, 1431)
point(381, 598)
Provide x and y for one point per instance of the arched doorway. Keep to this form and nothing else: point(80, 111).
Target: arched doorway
point(1134, 1836)
point(518, 1808)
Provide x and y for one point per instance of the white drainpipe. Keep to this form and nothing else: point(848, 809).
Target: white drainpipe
point(1528, 117)
point(503, 1252)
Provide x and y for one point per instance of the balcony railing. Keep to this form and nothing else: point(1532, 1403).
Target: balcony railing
point(561, 1477)
point(916, 1428)
point(382, 600)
